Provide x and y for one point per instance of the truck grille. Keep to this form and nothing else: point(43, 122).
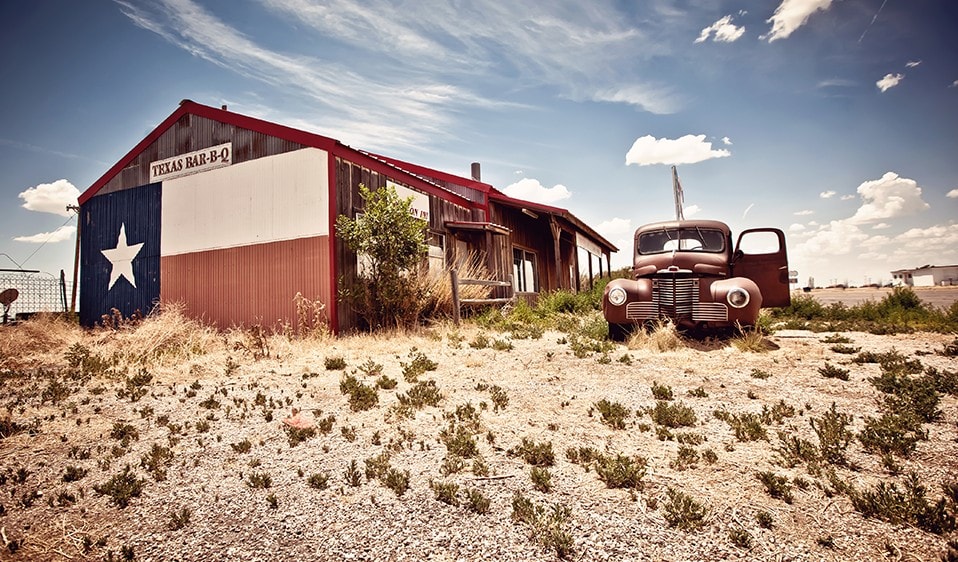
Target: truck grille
point(677, 299)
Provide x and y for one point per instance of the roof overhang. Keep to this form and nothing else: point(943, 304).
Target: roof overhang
point(474, 226)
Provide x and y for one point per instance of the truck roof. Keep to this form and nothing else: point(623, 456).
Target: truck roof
point(701, 223)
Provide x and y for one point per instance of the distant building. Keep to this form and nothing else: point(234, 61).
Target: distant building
point(233, 216)
point(926, 276)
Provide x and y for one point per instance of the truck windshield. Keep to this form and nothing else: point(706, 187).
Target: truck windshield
point(684, 239)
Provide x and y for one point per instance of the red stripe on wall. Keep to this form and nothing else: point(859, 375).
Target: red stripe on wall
point(249, 285)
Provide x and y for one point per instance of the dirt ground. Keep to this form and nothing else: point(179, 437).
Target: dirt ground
point(209, 393)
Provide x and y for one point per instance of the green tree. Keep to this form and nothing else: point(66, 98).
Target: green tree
point(393, 243)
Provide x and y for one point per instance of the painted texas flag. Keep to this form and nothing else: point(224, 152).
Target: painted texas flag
point(120, 252)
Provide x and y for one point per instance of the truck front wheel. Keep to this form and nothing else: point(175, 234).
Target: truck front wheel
point(619, 332)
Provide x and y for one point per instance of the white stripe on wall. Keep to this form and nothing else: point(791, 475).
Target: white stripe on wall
point(282, 197)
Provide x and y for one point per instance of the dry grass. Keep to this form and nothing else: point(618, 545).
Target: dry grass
point(663, 336)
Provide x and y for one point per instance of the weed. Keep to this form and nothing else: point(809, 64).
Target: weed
point(318, 480)
point(621, 471)
point(242, 447)
point(535, 454)
point(892, 434)
point(361, 397)
point(259, 480)
point(661, 391)
point(477, 502)
point(740, 537)
point(759, 374)
point(613, 414)
point(909, 506)
point(833, 435)
point(210, 403)
point(582, 455)
point(74, 473)
point(156, 461)
point(124, 433)
point(499, 398)
point(683, 511)
point(424, 393)
point(136, 386)
point(945, 382)
point(348, 432)
point(764, 519)
point(794, 450)
point(750, 341)
point(673, 415)
point(776, 486)
point(826, 541)
point(481, 341)
point(370, 368)
point(446, 492)
point(272, 501)
point(479, 467)
point(334, 363)
point(179, 518)
point(845, 349)
point(417, 365)
point(459, 441)
point(386, 383)
point(121, 487)
point(698, 393)
point(709, 456)
point(378, 466)
point(397, 481)
point(548, 527)
point(689, 438)
point(830, 371)
point(687, 457)
point(777, 413)
point(541, 479)
point(451, 465)
point(747, 426)
point(502, 345)
point(353, 476)
point(909, 396)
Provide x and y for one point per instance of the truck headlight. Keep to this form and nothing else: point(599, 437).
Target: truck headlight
point(738, 297)
point(617, 296)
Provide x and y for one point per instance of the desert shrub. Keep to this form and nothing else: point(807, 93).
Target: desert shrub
point(156, 460)
point(687, 457)
point(909, 396)
point(397, 481)
point(424, 393)
point(620, 471)
point(830, 371)
point(418, 365)
point(886, 501)
point(549, 527)
point(777, 486)
point(477, 502)
point(541, 479)
point(446, 492)
point(660, 336)
point(747, 426)
point(318, 480)
point(794, 450)
point(361, 396)
point(682, 511)
point(393, 243)
point(121, 487)
point(673, 415)
point(892, 434)
point(536, 454)
point(777, 413)
point(833, 434)
point(661, 391)
point(459, 441)
point(613, 414)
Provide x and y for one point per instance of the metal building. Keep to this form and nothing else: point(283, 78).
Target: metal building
point(233, 216)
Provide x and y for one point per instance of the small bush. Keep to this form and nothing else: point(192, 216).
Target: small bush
point(259, 480)
point(740, 537)
point(833, 435)
point(418, 365)
point(446, 492)
point(764, 519)
point(541, 479)
point(397, 481)
point(794, 450)
point(746, 425)
point(845, 349)
point(613, 414)
point(424, 393)
point(361, 397)
point(121, 487)
point(335, 363)
point(681, 511)
point(777, 486)
point(759, 374)
point(318, 480)
point(156, 461)
point(830, 371)
point(459, 441)
point(892, 434)
point(687, 457)
point(909, 506)
point(352, 474)
point(242, 447)
point(378, 466)
point(477, 502)
point(621, 471)
point(673, 415)
point(535, 454)
point(661, 391)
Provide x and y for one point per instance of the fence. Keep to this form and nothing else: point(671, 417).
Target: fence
point(35, 292)
point(457, 302)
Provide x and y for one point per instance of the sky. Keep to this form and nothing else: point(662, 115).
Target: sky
point(833, 120)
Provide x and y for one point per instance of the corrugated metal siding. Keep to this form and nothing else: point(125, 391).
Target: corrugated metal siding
point(192, 132)
point(250, 284)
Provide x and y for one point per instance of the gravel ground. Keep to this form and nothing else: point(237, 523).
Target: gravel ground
point(202, 405)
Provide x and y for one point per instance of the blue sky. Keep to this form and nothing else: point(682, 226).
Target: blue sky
point(836, 121)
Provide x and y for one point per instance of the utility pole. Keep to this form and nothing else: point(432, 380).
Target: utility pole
point(76, 260)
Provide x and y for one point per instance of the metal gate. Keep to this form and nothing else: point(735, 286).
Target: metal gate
point(34, 291)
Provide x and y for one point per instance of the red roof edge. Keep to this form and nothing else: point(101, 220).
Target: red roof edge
point(223, 115)
point(436, 174)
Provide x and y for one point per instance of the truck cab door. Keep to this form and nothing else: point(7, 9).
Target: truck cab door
point(760, 256)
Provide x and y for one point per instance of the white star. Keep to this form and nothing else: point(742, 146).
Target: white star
point(121, 258)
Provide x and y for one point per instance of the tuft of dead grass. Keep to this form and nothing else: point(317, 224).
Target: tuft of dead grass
point(661, 336)
point(37, 342)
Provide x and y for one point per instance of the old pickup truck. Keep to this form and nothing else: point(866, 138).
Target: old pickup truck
point(687, 271)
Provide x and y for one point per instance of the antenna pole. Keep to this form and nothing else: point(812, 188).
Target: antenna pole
point(679, 196)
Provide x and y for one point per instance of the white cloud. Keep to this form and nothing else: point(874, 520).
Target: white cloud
point(726, 141)
point(804, 213)
point(827, 194)
point(796, 227)
point(530, 189)
point(725, 31)
point(912, 63)
point(792, 14)
point(847, 197)
point(889, 81)
point(881, 226)
point(954, 84)
point(58, 235)
point(689, 149)
point(51, 198)
point(953, 194)
point(657, 100)
point(888, 197)
point(691, 210)
point(615, 228)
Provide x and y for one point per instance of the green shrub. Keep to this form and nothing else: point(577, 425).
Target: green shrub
point(535, 454)
point(613, 414)
point(683, 511)
point(661, 391)
point(776, 486)
point(361, 397)
point(121, 487)
point(833, 435)
point(621, 471)
point(830, 371)
point(746, 425)
point(892, 434)
point(905, 506)
point(673, 415)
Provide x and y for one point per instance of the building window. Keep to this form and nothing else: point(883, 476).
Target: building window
point(524, 278)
